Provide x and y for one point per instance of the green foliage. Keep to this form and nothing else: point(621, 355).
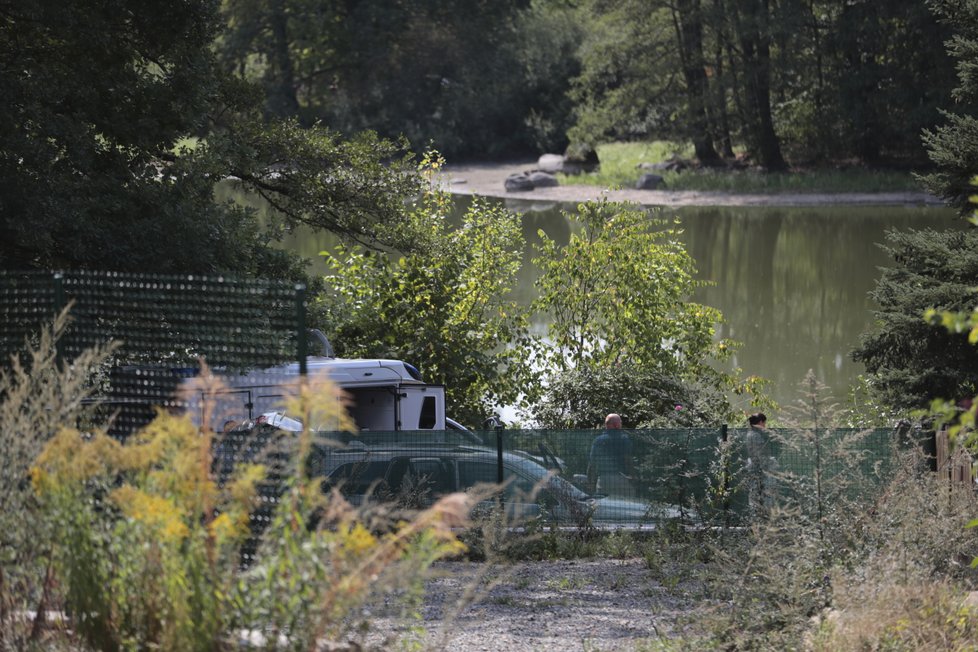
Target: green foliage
point(617, 292)
point(622, 330)
point(619, 169)
point(825, 474)
point(448, 309)
point(862, 408)
point(144, 543)
point(582, 397)
point(413, 68)
point(625, 90)
point(820, 497)
point(146, 520)
point(97, 98)
point(953, 146)
point(912, 361)
point(821, 80)
point(354, 187)
point(916, 361)
point(866, 48)
point(958, 417)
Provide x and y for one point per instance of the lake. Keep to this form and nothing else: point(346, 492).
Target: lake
point(792, 283)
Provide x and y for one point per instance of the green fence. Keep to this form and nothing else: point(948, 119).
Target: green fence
point(696, 475)
point(167, 324)
point(164, 324)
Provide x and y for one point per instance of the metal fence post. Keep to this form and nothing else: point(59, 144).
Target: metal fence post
point(499, 454)
point(725, 473)
point(59, 306)
point(300, 327)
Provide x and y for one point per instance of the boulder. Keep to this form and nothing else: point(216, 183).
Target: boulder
point(649, 182)
point(518, 182)
point(580, 158)
point(551, 163)
point(672, 164)
point(541, 179)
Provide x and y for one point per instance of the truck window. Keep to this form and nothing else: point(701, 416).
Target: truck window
point(428, 417)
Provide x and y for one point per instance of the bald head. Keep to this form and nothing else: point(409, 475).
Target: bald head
point(612, 422)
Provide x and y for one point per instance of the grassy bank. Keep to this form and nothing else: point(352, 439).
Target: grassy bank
point(619, 168)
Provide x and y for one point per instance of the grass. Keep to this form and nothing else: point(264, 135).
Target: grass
point(619, 169)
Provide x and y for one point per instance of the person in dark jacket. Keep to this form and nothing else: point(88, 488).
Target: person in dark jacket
point(609, 468)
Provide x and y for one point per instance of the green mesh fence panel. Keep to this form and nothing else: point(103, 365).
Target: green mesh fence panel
point(700, 476)
point(165, 325)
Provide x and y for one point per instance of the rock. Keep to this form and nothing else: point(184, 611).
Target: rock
point(580, 158)
point(542, 179)
point(518, 182)
point(551, 163)
point(649, 182)
point(672, 164)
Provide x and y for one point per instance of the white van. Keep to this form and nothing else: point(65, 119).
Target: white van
point(385, 395)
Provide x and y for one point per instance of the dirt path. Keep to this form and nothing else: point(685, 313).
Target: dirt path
point(487, 180)
point(549, 606)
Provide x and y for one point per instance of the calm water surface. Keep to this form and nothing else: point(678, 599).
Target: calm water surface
point(792, 283)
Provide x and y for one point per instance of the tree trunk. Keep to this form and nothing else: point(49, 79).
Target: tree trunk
point(688, 22)
point(282, 99)
point(751, 22)
point(722, 117)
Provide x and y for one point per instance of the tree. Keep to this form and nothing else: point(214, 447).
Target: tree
point(618, 298)
point(448, 310)
point(891, 74)
point(688, 19)
point(814, 81)
point(468, 76)
point(98, 103)
point(631, 81)
point(581, 397)
point(953, 147)
point(752, 23)
point(618, 292)
point(912, 361)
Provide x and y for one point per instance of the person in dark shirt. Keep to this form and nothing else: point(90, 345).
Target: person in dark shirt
point(609, 468)
point(761, 464)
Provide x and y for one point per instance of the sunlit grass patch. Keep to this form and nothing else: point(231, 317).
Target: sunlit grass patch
point(620, 161)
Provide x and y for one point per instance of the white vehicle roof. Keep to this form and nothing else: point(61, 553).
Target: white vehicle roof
point(344, 372)
point(365, 371)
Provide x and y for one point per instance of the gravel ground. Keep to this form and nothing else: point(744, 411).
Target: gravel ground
point(589, 605)
point(487, 180)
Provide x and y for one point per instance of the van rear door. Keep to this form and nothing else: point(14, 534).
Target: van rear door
point(421, 407)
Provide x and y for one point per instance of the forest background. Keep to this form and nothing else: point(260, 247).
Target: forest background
point(117, 121)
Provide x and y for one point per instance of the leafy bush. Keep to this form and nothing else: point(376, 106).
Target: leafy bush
point(623, 329)
point(449, 310)
point(645, 398)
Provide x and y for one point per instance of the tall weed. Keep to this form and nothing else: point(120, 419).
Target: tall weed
point(911, 586)
point(817, 498)
point(145, 542)
point(38, 394)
